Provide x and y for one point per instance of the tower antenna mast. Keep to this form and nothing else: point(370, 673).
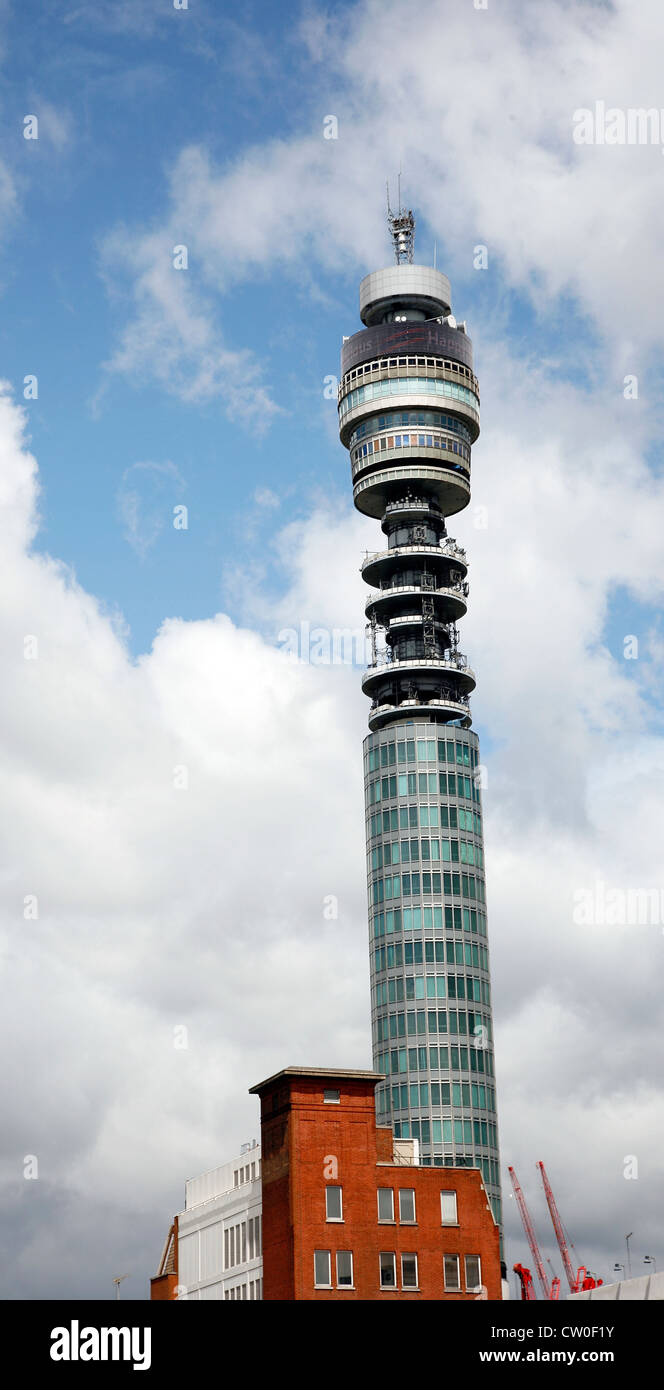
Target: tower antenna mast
point(402, 229)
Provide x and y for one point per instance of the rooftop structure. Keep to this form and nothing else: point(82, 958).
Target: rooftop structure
point(214, 1247)
point(349, 1212)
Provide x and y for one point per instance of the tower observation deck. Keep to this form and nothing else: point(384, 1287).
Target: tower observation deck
point(409, 415)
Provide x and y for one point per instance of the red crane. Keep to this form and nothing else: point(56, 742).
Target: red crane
point(582, 1280)
point(526, 1281)
point(550, 1291)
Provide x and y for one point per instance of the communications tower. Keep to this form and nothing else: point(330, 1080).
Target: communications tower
point(409, 415)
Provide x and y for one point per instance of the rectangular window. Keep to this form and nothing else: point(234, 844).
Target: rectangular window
point(451, 1266)
point(407, 1202)
point(473, 1274)
point(385, 1204)
point(409, 1271)
point(333, 1206)
point(344, 1269)
point(388, 1271)
point(448, 1209)
point(332, 1097)
point(322, 1269)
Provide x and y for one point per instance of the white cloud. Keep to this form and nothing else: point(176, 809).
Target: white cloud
point(159, 906)
point(488, 156)
point(145, 500)
point(172, 337)
point(265, 497)
point(55, 123)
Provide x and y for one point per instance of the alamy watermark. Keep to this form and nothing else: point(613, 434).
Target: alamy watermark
point(324, 646)
point(76, 1343)
point(615, 125)
point(603, 906)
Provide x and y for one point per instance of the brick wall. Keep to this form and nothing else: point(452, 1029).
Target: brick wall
point(308, 1144)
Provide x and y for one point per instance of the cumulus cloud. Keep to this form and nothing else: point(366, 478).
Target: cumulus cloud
point(179, 822)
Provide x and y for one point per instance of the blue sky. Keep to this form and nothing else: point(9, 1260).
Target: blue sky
point(205, 387)
point(121, 100)
point(132, 99)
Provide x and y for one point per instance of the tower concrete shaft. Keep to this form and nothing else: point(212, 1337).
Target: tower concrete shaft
point(409, 415)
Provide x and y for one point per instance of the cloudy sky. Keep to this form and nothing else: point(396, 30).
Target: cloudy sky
point(180, 796)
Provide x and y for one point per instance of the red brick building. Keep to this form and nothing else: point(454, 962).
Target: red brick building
point(348, 1214)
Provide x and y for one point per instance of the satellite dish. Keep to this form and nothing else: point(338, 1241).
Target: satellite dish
point(451, 321)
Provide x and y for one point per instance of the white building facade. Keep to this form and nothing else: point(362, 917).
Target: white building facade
point(648, 1287)
point(220, 1250)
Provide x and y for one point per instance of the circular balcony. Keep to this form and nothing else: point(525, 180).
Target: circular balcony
point(384, 450)
point(450, 602)
point(406, 623)
point(412, 509)
point(449, 489)
point(422, 666)
point(437, 711)
point(381, 564)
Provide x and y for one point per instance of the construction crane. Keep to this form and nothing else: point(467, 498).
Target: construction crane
point(526, 1281)
point(580, 1280)
point(549, 1290)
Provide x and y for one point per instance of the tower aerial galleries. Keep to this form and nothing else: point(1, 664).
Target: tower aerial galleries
point(409, 415)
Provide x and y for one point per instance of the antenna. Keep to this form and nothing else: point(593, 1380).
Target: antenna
point(402, 228)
